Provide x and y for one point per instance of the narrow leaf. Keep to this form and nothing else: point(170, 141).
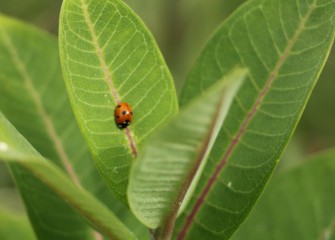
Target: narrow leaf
point(14, 148)
point(108, 56)
point(284, 45)
point(171, 159)
point(298, 204)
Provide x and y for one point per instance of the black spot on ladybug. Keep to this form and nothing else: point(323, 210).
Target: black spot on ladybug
point(123, 125)
point(124, 112)
point(118, 106)
point(117, 116)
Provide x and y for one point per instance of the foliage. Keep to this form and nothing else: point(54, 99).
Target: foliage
point(189, 174)
point(109, 57)
point(297, 203)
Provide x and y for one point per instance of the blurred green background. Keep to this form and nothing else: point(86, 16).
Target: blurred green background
point(181, 28)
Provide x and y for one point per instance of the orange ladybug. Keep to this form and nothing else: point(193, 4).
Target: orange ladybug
point(123, 115)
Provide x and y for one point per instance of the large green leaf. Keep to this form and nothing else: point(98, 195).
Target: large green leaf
point(29, 70)
point(108, 56)
point(284, 45)
point(298, 204)
point(33, 97)
point(15, 149)
point(172, 158)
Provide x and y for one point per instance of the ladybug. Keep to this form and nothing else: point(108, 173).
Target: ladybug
point(123, 115)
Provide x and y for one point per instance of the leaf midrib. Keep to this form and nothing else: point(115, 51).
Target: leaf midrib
point(201, 155)
point(40, 109)
point(200, 200)
point(108, 76)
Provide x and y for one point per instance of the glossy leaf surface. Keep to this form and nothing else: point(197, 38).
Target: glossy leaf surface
point(284, 45)
point(108, 57)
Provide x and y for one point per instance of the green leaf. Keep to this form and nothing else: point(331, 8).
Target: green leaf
point(284, 45)
point(108, 56)
point(14, 226)
point(15, 149)
point(35, 100)
point(298, 204)
point(33, 97)
point(173, 157)
point(26, 99)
